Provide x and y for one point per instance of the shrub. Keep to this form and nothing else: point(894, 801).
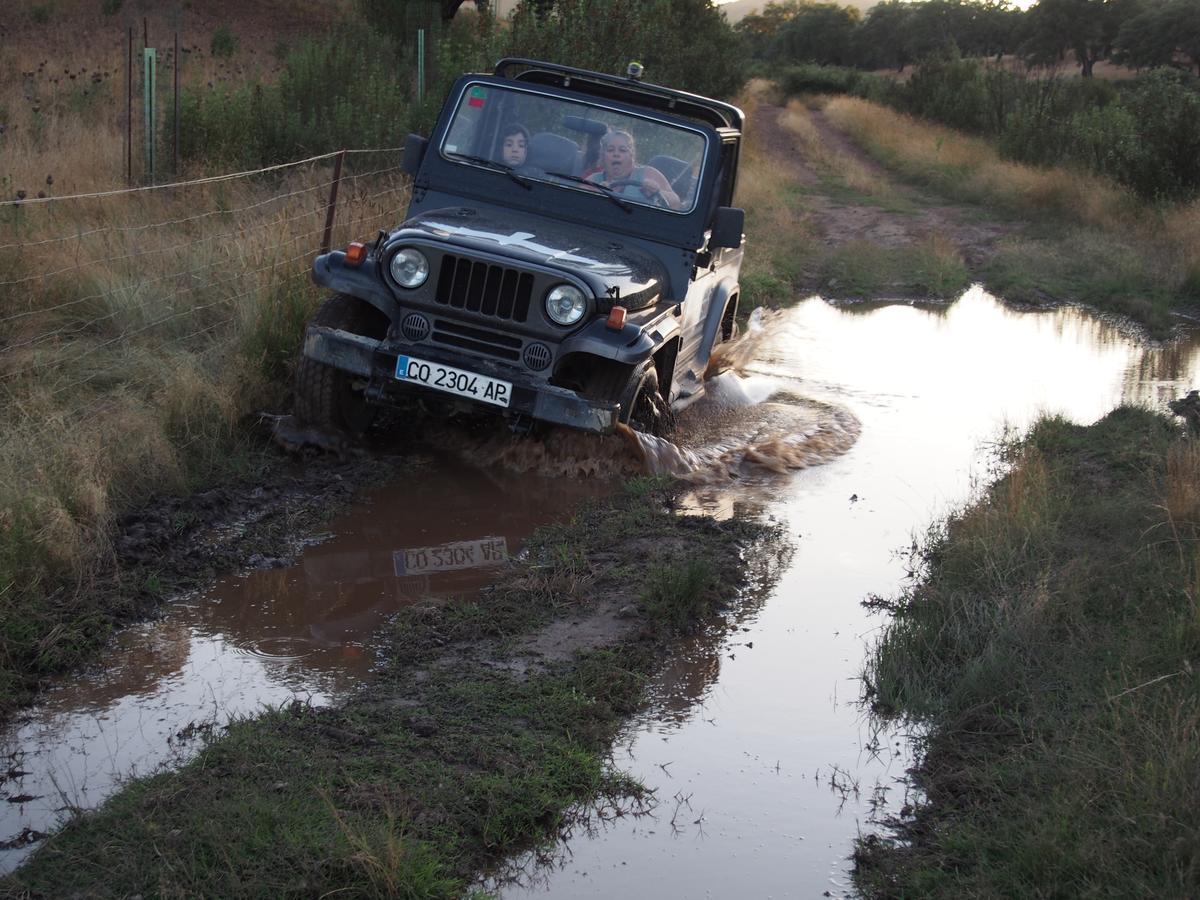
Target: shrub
point(1166, 109)
point(110, 7)
point(41, 13)
point(336, 93)
point(223, 42)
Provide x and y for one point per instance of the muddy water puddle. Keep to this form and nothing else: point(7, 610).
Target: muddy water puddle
point(854, 427)
point(308, 632)
point(763, 765)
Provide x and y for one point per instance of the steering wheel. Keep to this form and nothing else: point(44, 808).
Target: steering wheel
point(657, 200)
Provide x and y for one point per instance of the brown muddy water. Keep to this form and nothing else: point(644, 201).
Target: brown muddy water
point(856, 427)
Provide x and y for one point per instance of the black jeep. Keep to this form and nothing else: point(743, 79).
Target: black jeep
point(570, 256)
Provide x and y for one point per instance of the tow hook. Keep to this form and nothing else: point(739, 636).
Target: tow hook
point(520, 424)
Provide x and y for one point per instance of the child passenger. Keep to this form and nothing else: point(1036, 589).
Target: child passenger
point(514, 145)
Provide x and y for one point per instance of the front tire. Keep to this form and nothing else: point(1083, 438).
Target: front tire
point(643, 407)
point(324, 396)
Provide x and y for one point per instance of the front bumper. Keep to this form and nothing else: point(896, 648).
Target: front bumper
point(376, 361)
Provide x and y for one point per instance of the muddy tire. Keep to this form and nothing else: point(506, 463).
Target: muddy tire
point(643, 407)
point(324, 396)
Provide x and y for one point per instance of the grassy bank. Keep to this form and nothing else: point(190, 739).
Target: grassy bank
point(1079, 237)
point(789, 252)
point(1048, 651)
point(138, 333)
point(474, 743)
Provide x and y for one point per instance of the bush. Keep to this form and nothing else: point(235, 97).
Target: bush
point(1165, 107)
point(336, 93)
point(1145, 136)
point(223, 42)
point(110, 7)
point(686, 44)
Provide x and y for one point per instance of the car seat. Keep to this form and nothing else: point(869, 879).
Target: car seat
point(553, 153)
point(677, 172)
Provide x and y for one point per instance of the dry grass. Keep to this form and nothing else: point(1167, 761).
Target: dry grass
point(830, 161)
point(63, 81)
point(778, 231)
point(1162, 240)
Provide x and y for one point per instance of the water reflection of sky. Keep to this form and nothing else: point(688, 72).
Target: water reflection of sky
point(759, 731)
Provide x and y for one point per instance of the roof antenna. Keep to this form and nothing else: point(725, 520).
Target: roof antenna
point(634, 70)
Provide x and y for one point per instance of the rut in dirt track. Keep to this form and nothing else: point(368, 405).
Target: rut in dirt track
point(904, 217)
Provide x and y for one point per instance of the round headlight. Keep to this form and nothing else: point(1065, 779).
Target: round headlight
point(410, 268)
point(566, 304)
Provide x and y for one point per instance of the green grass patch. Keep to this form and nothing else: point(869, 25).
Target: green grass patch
point(452, 760)
point(862, 269)
point(1047, 651)
point(1087, 267)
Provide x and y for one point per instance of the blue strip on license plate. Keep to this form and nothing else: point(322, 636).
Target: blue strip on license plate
point(454, 381)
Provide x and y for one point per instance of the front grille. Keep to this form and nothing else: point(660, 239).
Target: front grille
point(486, 289)
point(480, 340)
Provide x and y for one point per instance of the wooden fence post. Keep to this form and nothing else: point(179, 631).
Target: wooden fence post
point(327, 239)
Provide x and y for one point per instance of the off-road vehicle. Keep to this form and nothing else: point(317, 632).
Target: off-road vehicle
point(553, 287)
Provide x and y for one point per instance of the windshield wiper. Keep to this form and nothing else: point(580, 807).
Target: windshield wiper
point(497, 166)
point(608, 192)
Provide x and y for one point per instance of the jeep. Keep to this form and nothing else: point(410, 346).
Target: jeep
point(570, 256)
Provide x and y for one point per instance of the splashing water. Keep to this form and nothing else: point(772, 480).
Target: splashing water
point(744, 423)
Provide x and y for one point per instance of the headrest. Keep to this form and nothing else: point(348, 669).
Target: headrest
point(552, 153)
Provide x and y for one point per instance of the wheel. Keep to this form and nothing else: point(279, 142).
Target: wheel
point(327, 397)
point(643, 406)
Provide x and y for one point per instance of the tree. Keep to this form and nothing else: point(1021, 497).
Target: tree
point(1087, 27)
point(818, 32)
point(882, 40)
point(760, 29)
point(1161, 35)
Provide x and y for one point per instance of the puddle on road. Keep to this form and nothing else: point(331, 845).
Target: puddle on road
point(763, 765)
point(266, 637)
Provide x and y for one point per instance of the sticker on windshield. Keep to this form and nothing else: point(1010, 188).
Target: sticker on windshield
point(477, 97)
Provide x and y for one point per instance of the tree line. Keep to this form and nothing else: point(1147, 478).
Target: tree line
point(895, 33)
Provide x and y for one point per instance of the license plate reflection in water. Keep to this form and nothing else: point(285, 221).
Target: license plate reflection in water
point(450, 557)
point(454, 381)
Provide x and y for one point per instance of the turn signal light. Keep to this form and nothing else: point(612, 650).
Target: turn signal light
point(616, 318)
point(355, 253)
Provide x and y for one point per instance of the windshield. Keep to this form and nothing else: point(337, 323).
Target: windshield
point(532, 137)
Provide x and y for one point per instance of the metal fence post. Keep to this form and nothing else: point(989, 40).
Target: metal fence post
point(327, 239)
point(420, 64)
point(150, 85)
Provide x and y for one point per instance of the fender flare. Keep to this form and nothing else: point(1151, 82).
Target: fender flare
point(330, 271)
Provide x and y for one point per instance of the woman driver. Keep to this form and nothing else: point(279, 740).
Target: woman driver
point(619, 161)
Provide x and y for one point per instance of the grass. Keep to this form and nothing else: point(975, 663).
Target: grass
point(1083, 238)
point(1047, 652)
point(449, 762)
point(788, 255)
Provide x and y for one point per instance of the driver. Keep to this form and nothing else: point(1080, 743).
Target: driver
point(621, 172)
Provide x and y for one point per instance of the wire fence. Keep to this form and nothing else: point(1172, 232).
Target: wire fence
point(92, 285)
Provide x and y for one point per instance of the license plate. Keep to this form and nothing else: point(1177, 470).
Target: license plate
point(454, 381)
point(450, 557)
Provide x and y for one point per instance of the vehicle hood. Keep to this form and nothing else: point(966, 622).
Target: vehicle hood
point(613, 268)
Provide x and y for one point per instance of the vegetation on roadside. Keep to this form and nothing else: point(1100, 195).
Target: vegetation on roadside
point(469, 747)
point(1048, 655)
point(1082, 238)
point(139, 332)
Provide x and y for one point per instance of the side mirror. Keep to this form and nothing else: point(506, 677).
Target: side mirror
point(728, 224)
point(414, 151)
